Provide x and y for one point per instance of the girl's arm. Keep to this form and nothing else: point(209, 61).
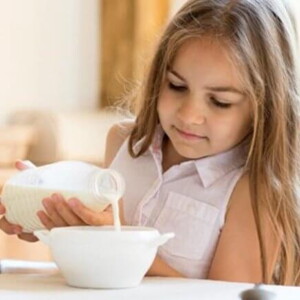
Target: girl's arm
point(237, 257)
point(160, 268)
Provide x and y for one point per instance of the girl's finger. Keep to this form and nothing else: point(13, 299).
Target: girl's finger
point(53, 214)
point(2, 209)
point(45, 220)
point(88, 216)
point(66, 214)
point(108, 208)
point(29, 237)
point(24, 164)
point(9, 228)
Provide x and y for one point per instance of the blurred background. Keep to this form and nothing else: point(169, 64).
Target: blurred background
point(62, 64)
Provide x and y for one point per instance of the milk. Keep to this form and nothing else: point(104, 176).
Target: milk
point(114, 198)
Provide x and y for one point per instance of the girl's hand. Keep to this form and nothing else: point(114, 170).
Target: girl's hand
point(24, 164)
point(60, 212)
point(9, 228)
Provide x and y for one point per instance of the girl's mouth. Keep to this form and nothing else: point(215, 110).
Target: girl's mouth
point(189, 135)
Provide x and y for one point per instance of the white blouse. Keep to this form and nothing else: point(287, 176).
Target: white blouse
point(189, 199)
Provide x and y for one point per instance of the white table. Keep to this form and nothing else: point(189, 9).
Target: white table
point(25, 280)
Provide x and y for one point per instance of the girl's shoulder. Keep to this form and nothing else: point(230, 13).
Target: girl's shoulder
point(241, 191)
point(116, 136)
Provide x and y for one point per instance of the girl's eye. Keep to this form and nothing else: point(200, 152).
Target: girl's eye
point(219, 104)
point(177, 88)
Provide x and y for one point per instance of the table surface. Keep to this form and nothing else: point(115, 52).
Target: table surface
point(33, 280)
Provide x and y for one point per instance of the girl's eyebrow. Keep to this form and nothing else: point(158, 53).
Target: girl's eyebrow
point(220, 89)
point(225, 89)
point(175, 73)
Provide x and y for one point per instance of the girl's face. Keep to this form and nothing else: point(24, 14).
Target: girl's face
point(202, 106)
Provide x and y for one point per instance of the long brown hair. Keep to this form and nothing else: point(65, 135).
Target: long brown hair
point(261, 36)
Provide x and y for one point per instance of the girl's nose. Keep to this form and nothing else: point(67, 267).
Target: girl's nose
point(191, 112)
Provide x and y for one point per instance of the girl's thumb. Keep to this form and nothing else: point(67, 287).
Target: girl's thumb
point(24, 164)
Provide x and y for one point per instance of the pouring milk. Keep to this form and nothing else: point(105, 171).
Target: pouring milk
point(96, 188)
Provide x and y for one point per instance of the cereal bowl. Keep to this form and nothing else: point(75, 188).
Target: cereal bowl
point(100, 256)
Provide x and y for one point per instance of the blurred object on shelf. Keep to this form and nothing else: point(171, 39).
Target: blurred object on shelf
point(15, 141)
point(67, 136)
point(6, 173)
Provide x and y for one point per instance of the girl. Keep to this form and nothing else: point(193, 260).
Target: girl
point(213, 154)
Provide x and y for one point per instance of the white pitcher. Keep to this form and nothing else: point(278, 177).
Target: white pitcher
point(23, 193)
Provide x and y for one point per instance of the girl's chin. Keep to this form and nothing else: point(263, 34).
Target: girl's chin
point(189, 154)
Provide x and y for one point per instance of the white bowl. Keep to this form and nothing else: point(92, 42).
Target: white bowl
point(100, 257)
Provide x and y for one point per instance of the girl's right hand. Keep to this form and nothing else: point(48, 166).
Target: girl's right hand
point(9, 228)
point(61, 212)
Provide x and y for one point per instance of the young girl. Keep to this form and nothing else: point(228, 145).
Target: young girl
point(213, 154)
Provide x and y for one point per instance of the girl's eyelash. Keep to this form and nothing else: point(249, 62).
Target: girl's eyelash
point(219, 104)
point(177, 88)
point(182, 88)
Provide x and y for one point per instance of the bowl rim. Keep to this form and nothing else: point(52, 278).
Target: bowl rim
point(104, 228)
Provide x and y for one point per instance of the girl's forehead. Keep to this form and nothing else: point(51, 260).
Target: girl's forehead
point(207, 56)
point(203, 48)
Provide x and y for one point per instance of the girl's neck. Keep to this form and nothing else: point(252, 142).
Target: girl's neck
point(170, 157)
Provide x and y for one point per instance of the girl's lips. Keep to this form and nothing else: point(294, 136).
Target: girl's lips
point(189, 135)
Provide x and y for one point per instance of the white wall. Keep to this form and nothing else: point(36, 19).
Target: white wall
point(49, 55)
point(175, 5)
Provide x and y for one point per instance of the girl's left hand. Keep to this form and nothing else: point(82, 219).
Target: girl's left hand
point(61, 212)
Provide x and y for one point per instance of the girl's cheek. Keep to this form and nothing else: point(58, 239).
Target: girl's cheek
point(162, 104)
